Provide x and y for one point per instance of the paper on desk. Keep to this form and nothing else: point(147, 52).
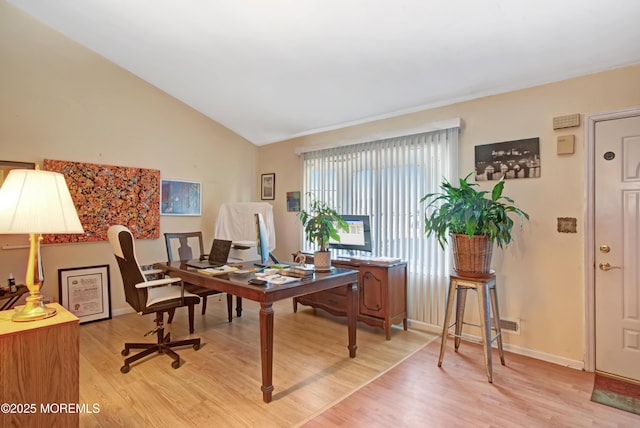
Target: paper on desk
point(279, 279)
point(218, 271)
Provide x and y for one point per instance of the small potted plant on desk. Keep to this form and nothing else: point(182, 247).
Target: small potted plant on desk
point(474, 220)
point(321, 223)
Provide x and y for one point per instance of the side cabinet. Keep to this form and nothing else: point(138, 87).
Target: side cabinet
point(40, 370)
point(382, 290)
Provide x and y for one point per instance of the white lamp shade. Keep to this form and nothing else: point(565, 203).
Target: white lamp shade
point(34, 201)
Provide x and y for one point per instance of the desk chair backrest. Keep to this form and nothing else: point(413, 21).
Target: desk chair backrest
point(122, 244)
point(184, 245)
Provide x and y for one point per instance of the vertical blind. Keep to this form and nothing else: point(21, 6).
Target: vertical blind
point(386, 179)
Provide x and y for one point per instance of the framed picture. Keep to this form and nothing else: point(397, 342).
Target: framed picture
point(293, 201)
point(509, 159)
point(86, 292)
point(179, 197)
point(135, 191)
point(268, 186)
point(6, 166)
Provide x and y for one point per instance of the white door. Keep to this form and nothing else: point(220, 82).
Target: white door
point(617, 247)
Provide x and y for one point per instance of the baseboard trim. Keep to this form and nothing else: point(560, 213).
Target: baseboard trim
point(121, 311)
point(520, 350)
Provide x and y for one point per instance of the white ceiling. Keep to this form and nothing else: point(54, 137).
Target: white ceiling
point(275, 69)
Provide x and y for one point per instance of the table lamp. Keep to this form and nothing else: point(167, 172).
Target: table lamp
point(36, 202)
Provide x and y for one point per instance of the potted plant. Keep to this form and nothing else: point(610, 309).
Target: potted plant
point(473, 219)
point(321, 223)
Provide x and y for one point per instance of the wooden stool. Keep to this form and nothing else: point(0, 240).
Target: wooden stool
point(485, 286)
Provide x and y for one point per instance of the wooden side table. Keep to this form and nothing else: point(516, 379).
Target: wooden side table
point(12, 298)
point(40, 366)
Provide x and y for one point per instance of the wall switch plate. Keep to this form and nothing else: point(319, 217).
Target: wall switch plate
point(566, 144)
point(568, 121)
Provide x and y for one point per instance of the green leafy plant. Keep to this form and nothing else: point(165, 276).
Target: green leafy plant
point(321, 223)
point(465, 210)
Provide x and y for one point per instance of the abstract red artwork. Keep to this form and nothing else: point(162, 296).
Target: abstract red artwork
point(105, 195)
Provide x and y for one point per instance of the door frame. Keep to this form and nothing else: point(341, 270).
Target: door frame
point(589, 225)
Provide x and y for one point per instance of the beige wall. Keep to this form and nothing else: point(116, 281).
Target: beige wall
point(540, 276)
point(59, 100)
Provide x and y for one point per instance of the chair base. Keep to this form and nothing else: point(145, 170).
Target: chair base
point(163, 346)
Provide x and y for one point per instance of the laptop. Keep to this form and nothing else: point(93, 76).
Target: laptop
point(217, 256)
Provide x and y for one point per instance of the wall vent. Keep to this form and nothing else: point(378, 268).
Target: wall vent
point(568, 121)
point(508, 325)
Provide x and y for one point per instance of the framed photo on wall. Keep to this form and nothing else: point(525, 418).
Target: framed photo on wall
point(509, 159)
point(293, 201)
point(268, 186)
point(179, 197)
point(86, 292)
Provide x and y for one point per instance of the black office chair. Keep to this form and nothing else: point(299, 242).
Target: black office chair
point(159, 296)
point(179, 247)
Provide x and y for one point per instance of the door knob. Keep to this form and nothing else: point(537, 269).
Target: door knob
point(606, 266)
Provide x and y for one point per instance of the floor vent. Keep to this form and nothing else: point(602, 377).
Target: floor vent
point(508, 325)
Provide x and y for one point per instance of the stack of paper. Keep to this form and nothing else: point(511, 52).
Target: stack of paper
point(279, 279)
point(217, 271)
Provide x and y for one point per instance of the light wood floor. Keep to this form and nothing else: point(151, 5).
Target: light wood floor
point(524, 393)
point(219, 385)
point(317, 385)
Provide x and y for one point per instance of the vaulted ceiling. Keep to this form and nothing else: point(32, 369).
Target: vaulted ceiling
point(271, 70)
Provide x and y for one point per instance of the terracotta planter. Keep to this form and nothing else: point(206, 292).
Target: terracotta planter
point(322, 261)
point(471, 255)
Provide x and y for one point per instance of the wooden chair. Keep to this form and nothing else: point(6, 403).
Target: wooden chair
point(180, 247)
point(149, 296)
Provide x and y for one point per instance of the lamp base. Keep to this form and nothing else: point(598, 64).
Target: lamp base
point(33, 310)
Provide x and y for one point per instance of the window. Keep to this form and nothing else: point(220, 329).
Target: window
point(386, 179)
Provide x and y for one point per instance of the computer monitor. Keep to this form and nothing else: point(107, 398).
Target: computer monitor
point(358, 235)
point(262, 241)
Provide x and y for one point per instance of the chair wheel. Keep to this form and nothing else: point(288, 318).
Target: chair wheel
point(175, 364)
point(124, 352)
point(196, 346)
point(125, 368)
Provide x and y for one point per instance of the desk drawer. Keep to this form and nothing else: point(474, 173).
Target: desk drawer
point(334, 300)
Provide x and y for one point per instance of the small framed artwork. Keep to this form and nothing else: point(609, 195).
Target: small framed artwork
point(268, 186)
point(179, 197)
point(86, 292)
point(293, 201)
point(509, 159)
point(6, 166)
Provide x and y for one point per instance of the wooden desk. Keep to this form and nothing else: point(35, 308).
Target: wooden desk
point(238, 286)
point(40, 366)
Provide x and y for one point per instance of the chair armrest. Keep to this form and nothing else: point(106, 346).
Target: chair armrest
point(153, 272)
point(162, 281)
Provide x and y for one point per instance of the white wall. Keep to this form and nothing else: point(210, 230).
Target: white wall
point(59, 100)
point(540, 276)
